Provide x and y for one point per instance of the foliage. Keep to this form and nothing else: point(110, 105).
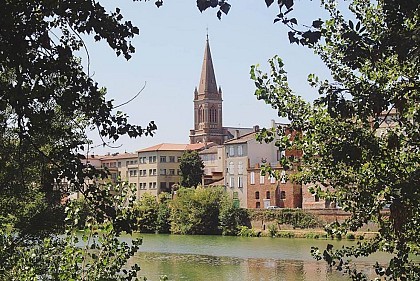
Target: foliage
point(48, 101)
point(163, 224)
point(145, 212)
point(245, 231)
point(295, 217)
point(231, 218)
point(361, 136)
point(192, 169)
point(99, 255)
point(196, 211)
point(273, 230)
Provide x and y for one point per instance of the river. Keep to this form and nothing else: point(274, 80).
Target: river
point(220, 258)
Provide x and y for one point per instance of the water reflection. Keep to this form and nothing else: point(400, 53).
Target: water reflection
point(203, 268)
point(203, 258)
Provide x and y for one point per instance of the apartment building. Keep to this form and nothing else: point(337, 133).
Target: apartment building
point(241, 153)
point(214, 165)
point(158, 167)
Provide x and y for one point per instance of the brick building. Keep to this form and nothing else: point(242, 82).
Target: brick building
point(265, 191)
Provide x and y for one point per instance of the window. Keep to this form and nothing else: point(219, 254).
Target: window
point(231, 151)
point(257, 195)
point(152, 172)
point(240, 151)
point(267, 195)
point(261, 179)
point(172, 172)
point(257, 205)
point(316, 198)
point(252, 176)
point(152, 159)
point(240, 168)
point(152, 185)
point(272, 179)
point(178, 159)
point(162, 172)
point(163, 185)
point(178, 172)
point(280, 154)
point(142, 173)
point(232, 182)
point(171, 184)
point(240, 184)
point(283, 177)
point(283, 195)
point(119, 164)
point(172, 159)
point(142, 160)
point(231, 167)
point(162, 159)
point(133, 173)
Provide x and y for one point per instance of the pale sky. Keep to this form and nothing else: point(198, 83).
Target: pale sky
point(169, 54)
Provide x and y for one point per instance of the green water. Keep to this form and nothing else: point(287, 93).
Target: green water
point(199, 258)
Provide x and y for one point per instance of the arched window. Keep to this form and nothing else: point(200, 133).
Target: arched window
point(257, 195)
point(283, 195)
point(231, 168)
point(200, 114)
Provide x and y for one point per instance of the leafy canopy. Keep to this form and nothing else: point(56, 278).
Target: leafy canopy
point(191, 166)
point(361, 136)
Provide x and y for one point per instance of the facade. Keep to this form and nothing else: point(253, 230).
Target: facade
point(123, 167)
point(158, 168)
point(208, 111)
point(265, 191)
point(242, 153)
point(214, 163)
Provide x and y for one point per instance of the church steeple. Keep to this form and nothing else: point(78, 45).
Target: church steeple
point(207, 105)
point(208, 83)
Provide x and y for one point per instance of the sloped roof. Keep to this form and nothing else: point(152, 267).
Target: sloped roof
point(241, 139)
point(174, 147)
point(117, 156)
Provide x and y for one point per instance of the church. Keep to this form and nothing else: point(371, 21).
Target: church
point(208, 109)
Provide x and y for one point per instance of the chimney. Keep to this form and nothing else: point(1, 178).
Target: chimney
point(273, 123)
point(236, 135)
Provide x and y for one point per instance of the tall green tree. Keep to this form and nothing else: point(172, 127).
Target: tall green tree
point(361, 136)
point(47, 101)
point(196, 211)
point(192, 169)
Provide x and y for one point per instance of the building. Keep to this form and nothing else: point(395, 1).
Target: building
point(243, 152)
point(208, 111)
point(214, 165)
point(264, 190)
point(158, 167)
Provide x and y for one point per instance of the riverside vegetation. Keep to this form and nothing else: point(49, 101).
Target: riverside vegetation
point(209, 211)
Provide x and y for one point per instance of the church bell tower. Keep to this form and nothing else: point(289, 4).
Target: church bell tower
point(208, 126)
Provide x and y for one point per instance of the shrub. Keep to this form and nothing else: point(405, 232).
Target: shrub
point(245, 231)
point(350, 236)
point(272, 230)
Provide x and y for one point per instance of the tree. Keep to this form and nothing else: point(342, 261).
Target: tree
point(146, 213)
point(196, 211)
point(191, 167)
point(349, 157)
point(47, 101)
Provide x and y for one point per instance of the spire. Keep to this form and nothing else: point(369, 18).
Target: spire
point(208, 83)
